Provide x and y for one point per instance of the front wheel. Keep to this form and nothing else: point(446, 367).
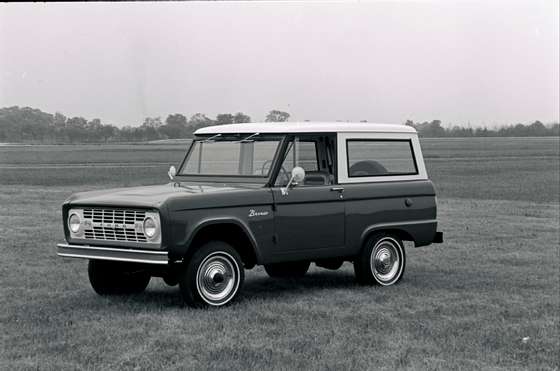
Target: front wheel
point(114, 278)
point(212, 276)
point(382, 261)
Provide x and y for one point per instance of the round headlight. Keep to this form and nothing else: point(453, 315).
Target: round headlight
point(150, 227)
point(74, 223)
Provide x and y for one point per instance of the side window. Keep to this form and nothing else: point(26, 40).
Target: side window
point(299, 153)
point(380, 158)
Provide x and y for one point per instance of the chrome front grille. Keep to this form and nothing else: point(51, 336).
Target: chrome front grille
point(114, 225)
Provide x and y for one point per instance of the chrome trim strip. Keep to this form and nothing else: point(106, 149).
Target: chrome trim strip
point(65, 255)
point(86, 247)
point(108, 253)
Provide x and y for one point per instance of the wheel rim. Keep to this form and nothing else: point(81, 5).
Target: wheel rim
point(385, 260)
point(217, 278)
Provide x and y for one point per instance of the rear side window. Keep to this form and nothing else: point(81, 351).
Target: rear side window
point(377, 157)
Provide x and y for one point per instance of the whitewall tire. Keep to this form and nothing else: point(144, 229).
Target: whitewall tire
point(382, 260)
point(212, 276)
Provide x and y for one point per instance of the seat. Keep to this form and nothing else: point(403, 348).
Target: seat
point(367, 168)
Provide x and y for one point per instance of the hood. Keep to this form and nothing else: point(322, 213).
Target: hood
point(153, 196)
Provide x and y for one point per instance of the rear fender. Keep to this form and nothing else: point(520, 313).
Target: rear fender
point(421, 232)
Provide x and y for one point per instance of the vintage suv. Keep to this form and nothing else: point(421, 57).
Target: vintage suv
point(280, 195)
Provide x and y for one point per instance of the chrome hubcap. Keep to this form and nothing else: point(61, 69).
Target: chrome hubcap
point(385, 260)
point(217, 278)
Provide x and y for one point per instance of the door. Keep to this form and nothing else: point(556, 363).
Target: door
point(310, 218)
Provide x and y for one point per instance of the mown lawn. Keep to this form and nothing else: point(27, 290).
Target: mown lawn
point(464, 304)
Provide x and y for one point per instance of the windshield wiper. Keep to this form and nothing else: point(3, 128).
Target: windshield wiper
point(245, 140)
point(208, 140)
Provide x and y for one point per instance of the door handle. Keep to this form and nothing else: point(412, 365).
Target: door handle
point(337, 189)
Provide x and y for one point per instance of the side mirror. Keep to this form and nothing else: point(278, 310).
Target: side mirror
point(172, 172)
point(298, 175)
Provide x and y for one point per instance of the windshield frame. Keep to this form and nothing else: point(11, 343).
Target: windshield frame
point(223, 178)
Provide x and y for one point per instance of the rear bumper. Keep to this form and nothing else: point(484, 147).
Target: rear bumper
point(438, 238)
point(110, 253)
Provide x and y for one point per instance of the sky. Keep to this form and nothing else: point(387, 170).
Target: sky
point(465, 63)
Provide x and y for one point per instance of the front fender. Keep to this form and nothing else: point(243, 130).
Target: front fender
point(196, 227)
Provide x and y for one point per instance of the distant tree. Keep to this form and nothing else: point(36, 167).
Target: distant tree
point(520, 130)
point(175, 126)
point(430, 129)
point(537, 129)
point(240, 118)
point(59, 128)
point(107, 132)
point(197, 121)
point(95, 123)
point(482, 132)
point(59, 120)
point(435, 129)
point(176, 120)
point(224, 118)
point(126, 134)
point(458, 131)
point(150, 133)
point(200, 120)
point(149, 130)
point(93, 130)
point(154, 122)
point(277, 116)
point(76, 129)
point(78, 122)
point(554, 129)
point(25, 124)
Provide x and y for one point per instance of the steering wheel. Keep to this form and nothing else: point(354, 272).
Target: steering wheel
point(266, 168)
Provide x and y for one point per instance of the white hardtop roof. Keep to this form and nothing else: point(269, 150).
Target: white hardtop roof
point(305, 127)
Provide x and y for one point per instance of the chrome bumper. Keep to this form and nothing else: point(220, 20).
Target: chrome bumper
point(110, 253)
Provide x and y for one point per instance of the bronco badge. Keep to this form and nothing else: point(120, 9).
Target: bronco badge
point(253, 212)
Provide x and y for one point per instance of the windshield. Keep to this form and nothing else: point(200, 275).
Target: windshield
point(231, 157)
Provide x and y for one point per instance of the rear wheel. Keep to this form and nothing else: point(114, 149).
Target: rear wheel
point(115, 278)
point(287, 270)
point(382, 261)
point(213, 275)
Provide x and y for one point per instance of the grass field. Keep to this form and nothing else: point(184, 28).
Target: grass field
point(464, 304)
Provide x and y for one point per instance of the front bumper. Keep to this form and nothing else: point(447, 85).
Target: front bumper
point(111, 253)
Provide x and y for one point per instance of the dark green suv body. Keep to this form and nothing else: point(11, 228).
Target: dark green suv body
point(281, 195)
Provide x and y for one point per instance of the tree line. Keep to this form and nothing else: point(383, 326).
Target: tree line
point(31, 125)
point(434, 129)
